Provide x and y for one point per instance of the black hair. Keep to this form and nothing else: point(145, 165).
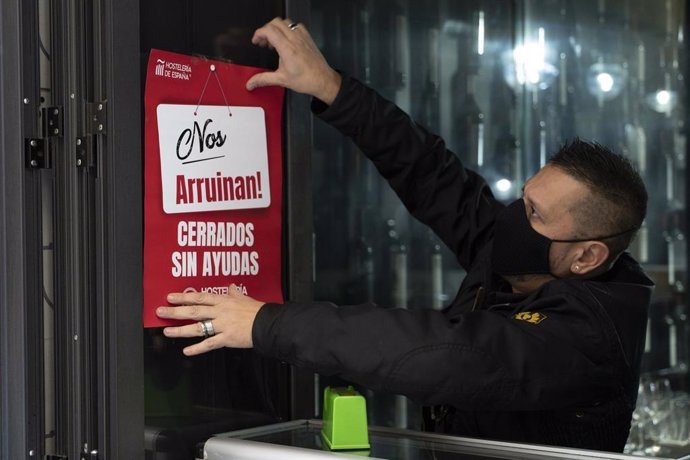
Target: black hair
point(618, 200)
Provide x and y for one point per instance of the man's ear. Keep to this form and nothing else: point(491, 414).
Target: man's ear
point(591, 256)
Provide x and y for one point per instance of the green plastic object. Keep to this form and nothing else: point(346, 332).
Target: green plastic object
point(344, 419)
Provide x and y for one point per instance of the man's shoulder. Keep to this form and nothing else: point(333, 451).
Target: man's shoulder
point(625, 282)
point(627, 270)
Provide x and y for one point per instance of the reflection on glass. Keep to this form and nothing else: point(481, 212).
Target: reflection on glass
point(606, 81)
point(661, 421)
point(530, 64)
point(662, 101)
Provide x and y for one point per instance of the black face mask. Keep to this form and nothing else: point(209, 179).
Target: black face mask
point(521, 250)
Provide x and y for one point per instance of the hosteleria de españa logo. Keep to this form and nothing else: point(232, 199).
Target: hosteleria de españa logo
point(174, 70)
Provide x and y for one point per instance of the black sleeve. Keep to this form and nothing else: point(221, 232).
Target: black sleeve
point(482, 361)
point(430, 180)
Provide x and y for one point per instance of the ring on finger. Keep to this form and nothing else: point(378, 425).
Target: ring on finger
point(293, 25)
point(207, 328)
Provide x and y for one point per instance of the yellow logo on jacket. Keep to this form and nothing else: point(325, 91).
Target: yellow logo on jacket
point(530, 317)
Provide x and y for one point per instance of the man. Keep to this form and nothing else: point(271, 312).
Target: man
point(542, 343)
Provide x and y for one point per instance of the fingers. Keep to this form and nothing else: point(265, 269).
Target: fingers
point(196, 306)
point(232, 318)
point(193, 312)
point(189, 330)
point(235, 290)
point(212, 343)
point(193, 305)
point(275, 34)
point(196, 298)
point(264, 79)
point(301, 67)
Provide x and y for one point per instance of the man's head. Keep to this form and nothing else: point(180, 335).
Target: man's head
point(617, 199)
point(587, 193)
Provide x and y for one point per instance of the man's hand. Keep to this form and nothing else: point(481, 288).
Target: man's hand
point(301, 67)
point(232, 318)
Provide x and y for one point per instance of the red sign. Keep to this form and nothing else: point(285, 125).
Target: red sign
point(213, 181)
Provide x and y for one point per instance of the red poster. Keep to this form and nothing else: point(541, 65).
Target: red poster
point(213, 181)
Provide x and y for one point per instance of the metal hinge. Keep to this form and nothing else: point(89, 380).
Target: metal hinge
point(85, 152)
point(37, 150)
point(36, 154)
point(52, 121)
point(97, 119)
point(96, 122)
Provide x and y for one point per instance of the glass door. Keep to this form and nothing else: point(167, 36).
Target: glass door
point(505, 84)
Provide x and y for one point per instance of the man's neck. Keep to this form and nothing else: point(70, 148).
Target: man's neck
point(525, 284)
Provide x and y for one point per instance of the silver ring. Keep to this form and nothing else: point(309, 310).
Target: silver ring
point(207, 328)
point(293, 25)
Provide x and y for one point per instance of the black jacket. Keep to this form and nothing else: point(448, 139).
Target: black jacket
point(559, 366)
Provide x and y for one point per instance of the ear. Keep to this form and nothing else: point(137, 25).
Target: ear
point(591, 256)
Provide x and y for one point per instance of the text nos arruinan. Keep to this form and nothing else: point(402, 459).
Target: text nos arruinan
point(219, 188)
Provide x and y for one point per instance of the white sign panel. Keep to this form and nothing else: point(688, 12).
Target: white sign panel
point(212, 160)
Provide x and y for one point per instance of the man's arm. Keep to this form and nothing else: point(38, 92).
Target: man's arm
point(429, 179)
point(483, 361)
point(490, 360)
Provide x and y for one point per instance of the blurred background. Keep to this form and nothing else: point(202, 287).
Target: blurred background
point(506, 84)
